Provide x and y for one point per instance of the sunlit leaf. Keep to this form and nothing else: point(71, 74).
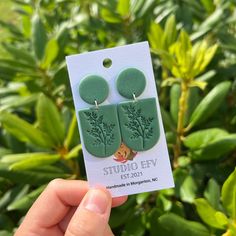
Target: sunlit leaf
point(210, 103)
point(25, 202)
point(23, 130)
point(37, 176)
point(50, 120)
point(74, 152)
point(212, 193)
point(177, 226)
point(155, 35)
point(203, 138)
point(35, 161)
point(207, 213)
point(109, 16)
point(51, 52)
point(123, 7)
point(39, 36)
point(170, 32)
point(229, 194)
point(188, 190)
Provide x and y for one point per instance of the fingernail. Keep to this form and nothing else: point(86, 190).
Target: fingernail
point(96, 200)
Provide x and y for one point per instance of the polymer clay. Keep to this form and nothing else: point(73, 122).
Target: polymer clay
point(131, 81)
point(138, 118)
point(100, 130)
point(99, 124)
point(93, 88)
point(139, 123)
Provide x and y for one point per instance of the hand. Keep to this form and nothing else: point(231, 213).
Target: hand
point(70, 208)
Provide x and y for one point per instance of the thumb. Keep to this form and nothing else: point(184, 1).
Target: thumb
point(91, 217)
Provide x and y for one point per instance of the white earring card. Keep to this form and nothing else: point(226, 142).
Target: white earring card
point(126, 171)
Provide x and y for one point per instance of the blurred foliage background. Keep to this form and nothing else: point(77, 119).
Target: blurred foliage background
point(193, 45)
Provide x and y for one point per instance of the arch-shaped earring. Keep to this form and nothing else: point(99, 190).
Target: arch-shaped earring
point(138, 118)
point(99, 124)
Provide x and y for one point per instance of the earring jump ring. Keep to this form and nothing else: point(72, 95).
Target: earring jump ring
point(96, 104)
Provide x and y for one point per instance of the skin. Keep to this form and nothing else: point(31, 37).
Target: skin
point(70, 208)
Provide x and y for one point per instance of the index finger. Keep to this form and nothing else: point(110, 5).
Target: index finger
point(56, 200)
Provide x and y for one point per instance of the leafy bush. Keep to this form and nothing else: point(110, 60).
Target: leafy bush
point(193, 50)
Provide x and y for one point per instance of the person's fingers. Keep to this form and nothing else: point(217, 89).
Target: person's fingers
point(108, 231)
point(52, 205)
point(55, 202)
point(117, 201)
point(91, 217)
point(65, 222)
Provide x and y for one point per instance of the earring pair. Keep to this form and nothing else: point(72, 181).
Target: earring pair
point(105, 127)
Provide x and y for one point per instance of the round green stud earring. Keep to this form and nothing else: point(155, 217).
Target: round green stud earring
point(93, 88)
point(131, 81)
point(99, 124)
point(138, 118)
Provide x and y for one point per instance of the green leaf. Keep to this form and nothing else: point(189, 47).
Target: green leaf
point(213, 19)
point(167, 120)
point(209, 54)
point(180, 175)
point(212, 193)
point(163, 203)
point(51, 53)
point(6, 223)
point(185, 43)
point(200, 84)
point(25, 202)
point(74, 152)
point(210, 103)
point(170, 32)
point(208, 5)
point(109, 16)
point(12, 158)
point(125, 210)
point(13, 194)
point(24, 131)
point(221, 219)
point(167, 59)
point(202, 138)
point(207, 213)
point(206, 76)
point(39, 37)
point(19, 53)
point(193, 100)
point(35, 161)
point(17, 101)
point(228, 194)
point(169, 81)
point(50, 120)
point(71, 131)
point(177, 226)
point(4, 151)
point(123, 7)
point(155, 35)
point(188, 190)
point(37, 176)
point(5, 233)
point(142, 197)
point(143, 7)
point(134, 226)
point(216, 150)
point(170, 137)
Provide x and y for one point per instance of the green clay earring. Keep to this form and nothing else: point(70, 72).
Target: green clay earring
point(99, 124)
point(138, 118)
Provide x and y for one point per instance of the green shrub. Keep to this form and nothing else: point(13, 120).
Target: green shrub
point(193, 50)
